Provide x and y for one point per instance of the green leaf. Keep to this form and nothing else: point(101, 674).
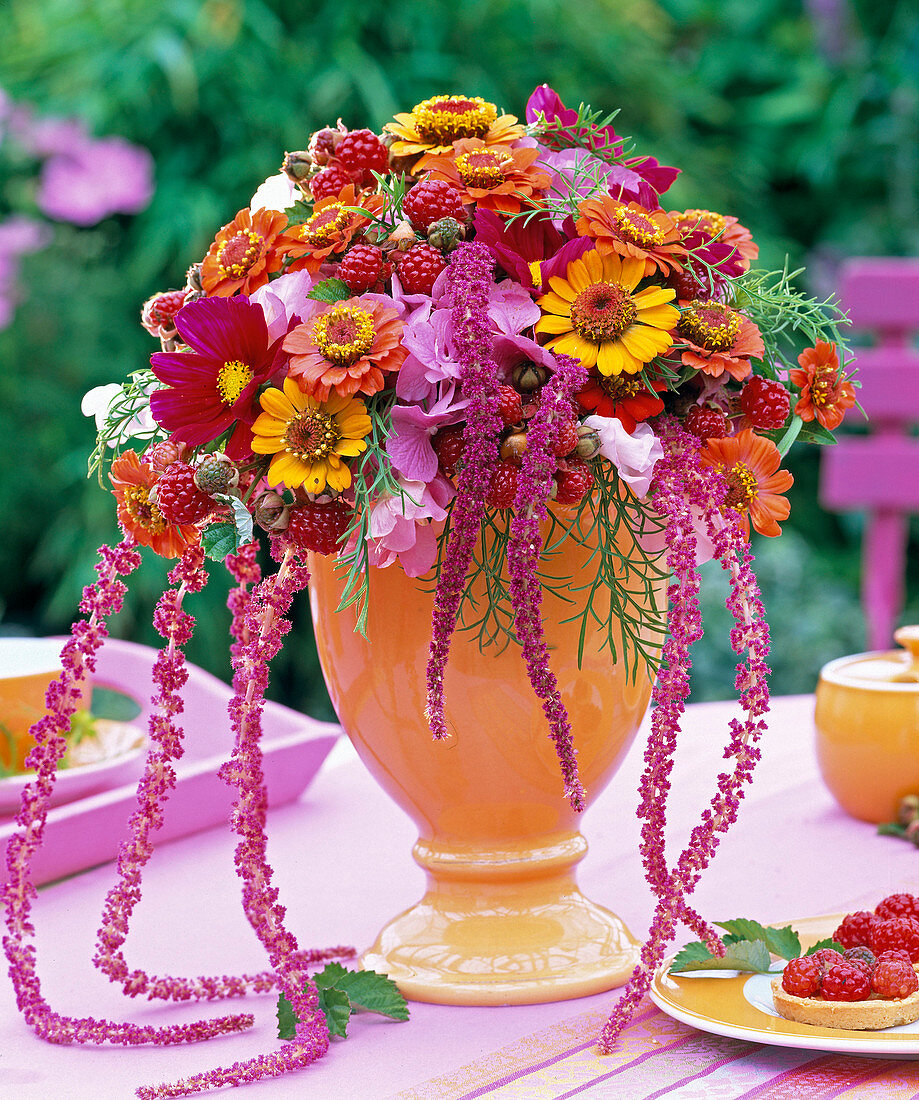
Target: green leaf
point(336, 1005)
point(751, 956)
point(287, 1018)
point(830, 943)
point(891, 828)
point(300, 212)
point(219, 540)
point(374, 992)
point(242, 518)
point(780, 941)
point(330, 290)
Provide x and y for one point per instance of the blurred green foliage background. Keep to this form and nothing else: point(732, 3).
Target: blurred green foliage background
point(802, 119)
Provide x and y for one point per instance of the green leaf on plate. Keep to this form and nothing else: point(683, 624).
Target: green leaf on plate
point(336, 1005)
point(780, 941)
point(747, 955)
point(830, 943)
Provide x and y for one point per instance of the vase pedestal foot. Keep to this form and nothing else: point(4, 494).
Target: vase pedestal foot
point(503, 931)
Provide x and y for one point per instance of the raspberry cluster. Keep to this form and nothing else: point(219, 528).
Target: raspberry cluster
point(856, 975)
point(319, 526)
point(431, 200)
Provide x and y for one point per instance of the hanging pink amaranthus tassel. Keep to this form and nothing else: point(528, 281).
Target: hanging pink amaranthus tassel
point(100, 600)
point(470, 275)
point(524, 552)
point(681, 482)
point(259, 626)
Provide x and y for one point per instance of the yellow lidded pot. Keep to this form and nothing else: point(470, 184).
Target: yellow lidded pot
point(867, 721)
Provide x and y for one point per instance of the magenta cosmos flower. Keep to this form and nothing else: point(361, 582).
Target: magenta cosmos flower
point(213, 387)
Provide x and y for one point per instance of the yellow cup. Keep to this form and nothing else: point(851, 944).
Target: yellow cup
point(867, 721)
point(27, 667)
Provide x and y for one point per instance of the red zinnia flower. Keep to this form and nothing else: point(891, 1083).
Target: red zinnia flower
point(213, 387)
point(139, 516)
point(825, 394)
point(625, 397)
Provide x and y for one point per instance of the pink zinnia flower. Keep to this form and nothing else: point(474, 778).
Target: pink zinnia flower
point(213, 387)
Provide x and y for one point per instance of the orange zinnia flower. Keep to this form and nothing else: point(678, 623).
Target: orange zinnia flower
point(434, 124)
point(139, 516)
point(716, 339)
point(825, 394)
point(630, 230)
point(330, 228)
point(750, 463)
point(347, 347)
point(494, 177)
point(244, 253)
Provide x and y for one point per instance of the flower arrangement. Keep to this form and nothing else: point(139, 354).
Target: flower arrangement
point(446, 349)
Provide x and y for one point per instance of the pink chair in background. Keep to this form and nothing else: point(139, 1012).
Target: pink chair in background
point(879, 472)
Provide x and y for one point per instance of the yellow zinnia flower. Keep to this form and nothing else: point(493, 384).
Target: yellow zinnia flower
point(309, 438)
point(594, 314)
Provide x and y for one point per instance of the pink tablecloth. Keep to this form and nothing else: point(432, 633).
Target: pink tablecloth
point(342, 863)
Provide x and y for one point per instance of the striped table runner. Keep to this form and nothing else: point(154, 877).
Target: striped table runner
point(661, 1057)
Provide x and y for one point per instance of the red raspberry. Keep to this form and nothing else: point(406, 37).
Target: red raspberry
point(845, 982)
point(567, 440)
point(802, 977)
point(510, 405)
point(329, 182)
point(322, 145)
point(855, 930)
point(894, 978)
point(502, 489)
point(574, 483)
point(362, 153)
point(163, 454)
point(861, 956)
point(319, 527)
point(706, 422)
point(419, 268)
point(363, 267)
point(765, 402)
point(158, 312)
point(178, 498)
point(897, 933)
point(448, 446)
point(430, 200)
point(898, 905)
point(827, 957)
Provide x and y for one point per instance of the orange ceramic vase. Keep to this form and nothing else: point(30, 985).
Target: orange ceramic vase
point(502, 920)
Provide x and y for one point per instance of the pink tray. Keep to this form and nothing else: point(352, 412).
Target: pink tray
point(88, 832)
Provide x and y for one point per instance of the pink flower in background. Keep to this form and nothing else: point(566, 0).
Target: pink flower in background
point(92, 179)
point(18, 236)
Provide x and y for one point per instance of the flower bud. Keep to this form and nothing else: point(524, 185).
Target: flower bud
point(529, 376)
point(162, 454)
point(446, 234)
point(296, 166)
point(216, 474)
point(402, 237)
point(588, 442)
point(270, 512)
point(912, 832)
point(513, 447)
point(908, 811)
point(193, 285)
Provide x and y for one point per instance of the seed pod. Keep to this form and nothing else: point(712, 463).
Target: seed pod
point(513, 447)
point(270, 512)
point(908, 810)
point(529, 376)
point(588, 442)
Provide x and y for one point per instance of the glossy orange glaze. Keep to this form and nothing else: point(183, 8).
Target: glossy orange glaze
point(497, 838)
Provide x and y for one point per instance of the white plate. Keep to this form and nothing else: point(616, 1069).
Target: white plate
point(121, 752)
point(740, 1007)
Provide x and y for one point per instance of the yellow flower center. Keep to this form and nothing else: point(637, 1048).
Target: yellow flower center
point(445, 119)
point(325, 225)
point(823, 387)
point(232, 379)
point(636, 228)
point(310, 435)
point(742, 486)
point(142, 510)
point(344, 334)
point(620, 387)
point(701, 221)
point(239, 254)
point(483, 170)
point(710, 325)
point(602, 312)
